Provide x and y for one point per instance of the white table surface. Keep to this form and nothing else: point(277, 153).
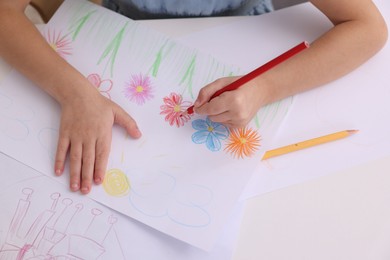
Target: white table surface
point(345, 215)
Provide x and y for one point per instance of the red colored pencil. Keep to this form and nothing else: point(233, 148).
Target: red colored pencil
point(253, 74)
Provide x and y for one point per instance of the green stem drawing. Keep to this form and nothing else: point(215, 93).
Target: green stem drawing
point(159, 57)
point(112, 50)
point(263, 113)
point(157, 62)
point(231, 74)
point(270, 112)
point(76, 28)
point(188, 76)
point(256, 119)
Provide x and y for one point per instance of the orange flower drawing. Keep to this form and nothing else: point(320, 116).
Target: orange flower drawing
point(242, 142)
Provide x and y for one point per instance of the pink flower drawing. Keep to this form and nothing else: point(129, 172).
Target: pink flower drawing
point(139, 89)
point(104, 86)
point(60, 43)
point(173, 109)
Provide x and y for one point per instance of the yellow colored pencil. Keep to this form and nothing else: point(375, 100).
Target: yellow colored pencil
point(308, 143)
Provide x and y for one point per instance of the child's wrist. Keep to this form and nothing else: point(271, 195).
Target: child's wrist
point(70, 92)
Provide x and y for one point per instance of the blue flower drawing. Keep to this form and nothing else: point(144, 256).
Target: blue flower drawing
point(210, 133)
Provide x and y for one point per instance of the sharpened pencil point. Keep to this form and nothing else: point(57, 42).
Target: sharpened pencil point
point(188, 111)
point(352, 131)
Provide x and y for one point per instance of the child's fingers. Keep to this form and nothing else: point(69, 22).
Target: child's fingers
point(223, 118)
point(227, 118)
point(102, 151)
point(208, 91)
point(75, 165)
point(126, 121)
point(62, 150)
point(216, 106)
point(87, 166)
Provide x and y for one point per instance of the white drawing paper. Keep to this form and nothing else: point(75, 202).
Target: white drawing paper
point(186, 173)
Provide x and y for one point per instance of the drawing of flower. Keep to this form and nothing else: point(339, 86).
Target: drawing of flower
point(104, 86)
point(160, 195)
point(242, 142)
point(60, 43)
point(210, 133)
point(173, 109)
point(139, 89)
point(116, 183)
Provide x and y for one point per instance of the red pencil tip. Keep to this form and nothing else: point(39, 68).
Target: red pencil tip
point(188, 111)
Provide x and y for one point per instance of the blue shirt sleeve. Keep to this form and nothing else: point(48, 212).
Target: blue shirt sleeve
point(149, 9)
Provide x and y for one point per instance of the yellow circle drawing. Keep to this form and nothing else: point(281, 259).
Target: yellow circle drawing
point(116, 183)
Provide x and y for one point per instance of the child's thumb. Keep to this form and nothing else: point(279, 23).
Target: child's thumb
point(123, 119)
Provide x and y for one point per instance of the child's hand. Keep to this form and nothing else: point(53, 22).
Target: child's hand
point(85, 132)
point(232, 108)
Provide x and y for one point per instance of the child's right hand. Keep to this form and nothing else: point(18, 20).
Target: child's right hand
point(85, 133)
point(233, 108)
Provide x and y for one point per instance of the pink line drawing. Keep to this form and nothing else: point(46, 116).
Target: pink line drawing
point(104, 86)
point(51, 236)
point(59, 43)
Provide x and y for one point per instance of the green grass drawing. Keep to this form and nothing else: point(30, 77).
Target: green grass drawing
point(159, 57)
point(188, 76)
point(112, 50)
point(79, 24)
